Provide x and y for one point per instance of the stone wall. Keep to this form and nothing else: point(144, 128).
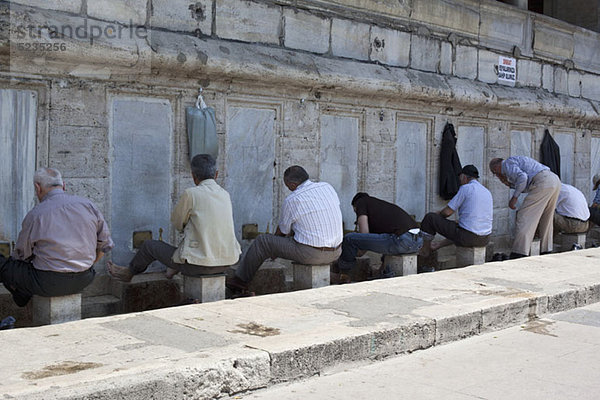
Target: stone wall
point(356, 91)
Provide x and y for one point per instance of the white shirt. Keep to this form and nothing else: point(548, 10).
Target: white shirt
point(572, 203)
point(313, 212)
point(475, 208)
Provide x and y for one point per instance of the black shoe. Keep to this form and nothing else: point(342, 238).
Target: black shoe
point(423, 269)
point(236, 284)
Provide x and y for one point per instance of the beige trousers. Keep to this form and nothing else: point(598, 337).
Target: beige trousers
point(537, 213)
point(569, 225)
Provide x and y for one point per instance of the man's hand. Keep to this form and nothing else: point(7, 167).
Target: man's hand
point(513, 203)
point(99, 255)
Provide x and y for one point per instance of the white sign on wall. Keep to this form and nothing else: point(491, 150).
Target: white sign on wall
point(507, 71)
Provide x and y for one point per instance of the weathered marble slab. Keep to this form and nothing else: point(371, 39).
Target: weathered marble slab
point(411, 167)
point(18, 113)
point(141, 173)
point(339, 160)
point(566, 142)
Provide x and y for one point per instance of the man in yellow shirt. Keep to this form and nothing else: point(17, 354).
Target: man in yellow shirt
point(204, 215)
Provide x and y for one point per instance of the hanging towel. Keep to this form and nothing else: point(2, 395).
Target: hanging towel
point(551, 153)
point(449, 164)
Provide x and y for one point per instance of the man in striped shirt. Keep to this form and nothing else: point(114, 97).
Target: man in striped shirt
point(309, 232)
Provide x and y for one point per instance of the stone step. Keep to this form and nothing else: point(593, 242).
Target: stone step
point(148, 292)
point(100, 306)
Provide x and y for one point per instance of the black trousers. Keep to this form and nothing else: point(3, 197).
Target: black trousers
point(23, 281)
point(434, 223)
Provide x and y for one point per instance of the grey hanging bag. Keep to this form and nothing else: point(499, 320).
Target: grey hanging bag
point(201, 129)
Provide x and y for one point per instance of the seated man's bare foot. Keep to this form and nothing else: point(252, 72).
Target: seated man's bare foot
point(118, 272)
point(171, 273)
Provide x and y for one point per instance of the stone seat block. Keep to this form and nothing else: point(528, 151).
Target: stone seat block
point(535, 247)
point(56, 310)
point(568, 239)
point(311, 276)
point(204, 288)
point(469, 256)
point(400, 264)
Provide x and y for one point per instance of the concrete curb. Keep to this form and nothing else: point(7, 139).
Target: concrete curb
point(303, 333)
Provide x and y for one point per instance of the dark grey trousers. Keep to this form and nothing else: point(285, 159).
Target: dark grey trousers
point(23, 281)
point(271, 246)
point(156, 250)
point(434, 223)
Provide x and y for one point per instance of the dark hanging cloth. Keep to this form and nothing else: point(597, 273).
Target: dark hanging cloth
point(551, 153)
point(449, 164)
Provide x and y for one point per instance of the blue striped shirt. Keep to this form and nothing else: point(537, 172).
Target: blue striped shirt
point(520, 171)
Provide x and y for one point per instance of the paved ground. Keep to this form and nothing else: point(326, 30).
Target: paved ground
point(224, 348)
point(556, 357)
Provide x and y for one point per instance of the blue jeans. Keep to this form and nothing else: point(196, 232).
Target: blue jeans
point(383, 243)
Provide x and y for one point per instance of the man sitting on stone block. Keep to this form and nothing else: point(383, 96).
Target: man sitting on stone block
point(204, 215)
point(474, 205)
point(60, 240)
point(572, 212)
point(383, 228)
point(526, 175)
point(309, 232)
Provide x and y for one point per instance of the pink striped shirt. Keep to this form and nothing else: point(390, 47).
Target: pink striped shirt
point(313, 212)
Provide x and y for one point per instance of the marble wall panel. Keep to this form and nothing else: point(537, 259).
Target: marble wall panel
point(250, 157)
point(411, 167)
point(339, 160)
point(141, 180)
point(471, 147)
point(566, 143)
point(18, 113)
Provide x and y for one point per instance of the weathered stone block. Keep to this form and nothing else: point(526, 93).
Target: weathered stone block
point(457, 327)
point(395, 8)
point(567, 240)
point(79, 152)
point(446, 59)
point(305, 31)
point(377, 181)
point(486, 67)
point(590, 86)
point(78, 104)
point(560, 81)
point(129, 12)
point(147, 292)
point(466, 62)
point(56, 310)
point(529, 73)
point(271, 278)
point(574, 83)
point(424, 53)
point(548, 77)
point(400, 264)
point(553, 39)
point(469, 256)
point(502, 27)
point(390, 47)
point(461, 16)
point(182, 15)
point(248, 21)
point(586, 54)
point(311, 276)
point(205, 289)
point(350, 39)
point(535, 247)
point(73, 6)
